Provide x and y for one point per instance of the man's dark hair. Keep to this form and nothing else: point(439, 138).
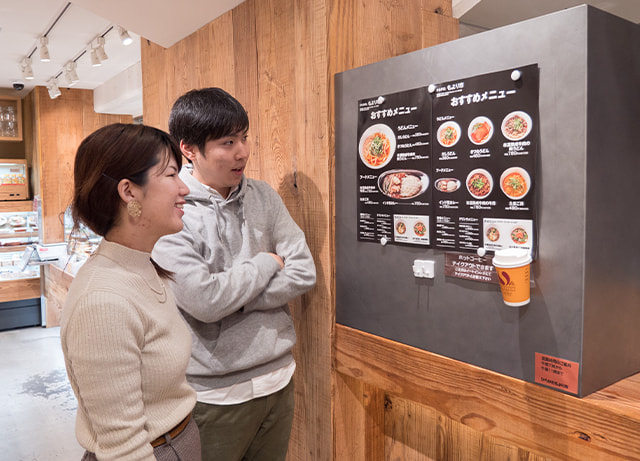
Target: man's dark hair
point(205, 114)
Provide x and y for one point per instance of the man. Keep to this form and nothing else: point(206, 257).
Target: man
point(238, 261)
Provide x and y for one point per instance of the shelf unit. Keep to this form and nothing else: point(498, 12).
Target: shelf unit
point(15, 103)
point(19, 292)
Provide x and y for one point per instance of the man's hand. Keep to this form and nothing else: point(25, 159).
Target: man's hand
point(279, 259)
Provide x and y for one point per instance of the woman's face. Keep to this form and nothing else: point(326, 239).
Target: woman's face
point(163, 198)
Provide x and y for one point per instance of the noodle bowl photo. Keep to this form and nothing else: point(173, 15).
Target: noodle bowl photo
point(377, 145)
point(515, 182)
point(517, 125)
point(448, 134)
point(479, 183)
point(480, 130)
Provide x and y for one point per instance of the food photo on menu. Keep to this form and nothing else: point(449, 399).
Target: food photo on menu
point(403, 184)
point(501, 234)
point(377, 145)
point(480, 130)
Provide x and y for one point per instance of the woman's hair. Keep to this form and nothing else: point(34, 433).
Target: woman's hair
point(205, 114)
point(107, 156)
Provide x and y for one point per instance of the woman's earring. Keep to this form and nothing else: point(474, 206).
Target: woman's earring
point(134, 208)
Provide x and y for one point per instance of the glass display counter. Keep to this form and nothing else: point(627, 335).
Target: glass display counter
point(19, 279)
point(81, 243)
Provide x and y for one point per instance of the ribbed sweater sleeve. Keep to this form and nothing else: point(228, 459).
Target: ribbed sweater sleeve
point(110, 389)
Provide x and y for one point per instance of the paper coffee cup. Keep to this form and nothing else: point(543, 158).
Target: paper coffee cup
point(513, 268)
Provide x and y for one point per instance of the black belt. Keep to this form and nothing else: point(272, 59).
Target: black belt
point(173, 433)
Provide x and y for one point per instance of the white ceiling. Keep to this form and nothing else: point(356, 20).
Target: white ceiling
point(167, 21)
point(71, 28)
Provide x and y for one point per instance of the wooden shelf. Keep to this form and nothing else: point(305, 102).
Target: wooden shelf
point(17, 289)
point(16, 103)
point(16, 205)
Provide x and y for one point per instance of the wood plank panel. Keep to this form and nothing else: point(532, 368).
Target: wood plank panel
point(16, 290)
point(56, 148)
point(54, 289)
point(277, 57)
point(16, 205)
point(245, 53)
point(62, 123)
point(524, 415)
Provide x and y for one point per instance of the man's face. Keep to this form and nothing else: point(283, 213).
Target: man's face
point(222, 163)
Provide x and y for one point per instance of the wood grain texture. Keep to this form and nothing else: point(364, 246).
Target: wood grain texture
point(278, 58)
point(55, 286)
point(16, 290)
point(60, 125)
point(271, 55)
point(518, 415)
point(16, 205)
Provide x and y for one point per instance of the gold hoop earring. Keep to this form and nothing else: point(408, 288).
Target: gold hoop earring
point(134, 208)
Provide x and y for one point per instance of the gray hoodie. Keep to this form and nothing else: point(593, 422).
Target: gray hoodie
point(230, 291)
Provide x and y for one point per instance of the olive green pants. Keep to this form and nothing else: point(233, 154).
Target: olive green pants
point(254, 430)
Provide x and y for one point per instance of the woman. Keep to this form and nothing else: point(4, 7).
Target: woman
point(126, 348)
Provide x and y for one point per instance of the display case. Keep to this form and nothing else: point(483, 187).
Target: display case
point(10, 118)
point(17, 230)
point(19, 279)
point(14, 179)
point(81, 243)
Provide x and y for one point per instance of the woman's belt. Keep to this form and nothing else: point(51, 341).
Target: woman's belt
point(172, 434)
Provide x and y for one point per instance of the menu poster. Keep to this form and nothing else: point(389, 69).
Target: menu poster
point(394, 168)
point(483, 158)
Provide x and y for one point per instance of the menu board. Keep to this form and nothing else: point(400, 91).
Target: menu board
point(484, 160)
point(473, 185)
point(394, 197)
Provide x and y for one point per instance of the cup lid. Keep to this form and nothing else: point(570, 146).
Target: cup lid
point(511, 257)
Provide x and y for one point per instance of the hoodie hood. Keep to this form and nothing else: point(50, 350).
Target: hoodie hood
point(199, 192)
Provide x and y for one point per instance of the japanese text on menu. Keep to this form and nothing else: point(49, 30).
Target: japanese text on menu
point(484, 159)
point(473, 186)
point(394, 198)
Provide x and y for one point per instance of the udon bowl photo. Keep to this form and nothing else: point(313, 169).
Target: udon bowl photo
point(448, 134)
point(377, 145)
point(403, 184)
point(515, 182)
point(516, 125)
point(480, 130)
point(479, 183)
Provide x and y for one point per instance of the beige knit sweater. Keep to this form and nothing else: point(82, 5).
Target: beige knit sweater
point(126, 350)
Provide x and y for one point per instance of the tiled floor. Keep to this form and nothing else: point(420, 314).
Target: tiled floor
point(37, 405)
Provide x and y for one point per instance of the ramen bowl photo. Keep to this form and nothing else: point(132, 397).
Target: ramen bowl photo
point(377, 145)
point(479, 183)
point(515, 182)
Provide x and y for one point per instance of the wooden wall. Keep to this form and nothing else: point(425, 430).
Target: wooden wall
point(58, 127)
point(278, 58)
point(396, 402)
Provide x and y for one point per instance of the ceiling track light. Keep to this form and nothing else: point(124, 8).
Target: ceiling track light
point(100, 49)
point(70, 72)
point(124, 36)
point(25, 68)
point(95, 60)
point(52, 87)
point(44, 49)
